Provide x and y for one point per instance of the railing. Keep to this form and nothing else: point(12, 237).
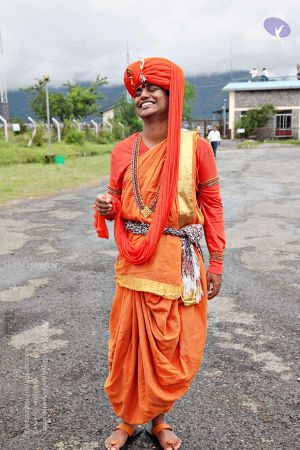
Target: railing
point(261, 78)
point(269, 133)
point(284, 133)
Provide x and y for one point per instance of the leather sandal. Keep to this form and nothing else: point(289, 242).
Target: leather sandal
point(132, 434)
point(157, 429)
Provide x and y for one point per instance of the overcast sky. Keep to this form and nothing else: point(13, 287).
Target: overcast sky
point(76, 40)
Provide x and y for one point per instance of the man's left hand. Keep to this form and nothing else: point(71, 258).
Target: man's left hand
point(214, 282)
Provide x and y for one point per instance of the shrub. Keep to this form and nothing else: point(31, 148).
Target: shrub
point(74, 137)
point(105, 137)
point(255, 118)
point(39, 137)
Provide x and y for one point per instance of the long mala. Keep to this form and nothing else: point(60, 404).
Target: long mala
point(145, 210)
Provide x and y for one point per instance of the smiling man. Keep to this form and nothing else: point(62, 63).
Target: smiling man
point(163, 193)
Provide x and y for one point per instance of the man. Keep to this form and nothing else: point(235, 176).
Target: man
point(254, 73)
point(163, 187)
point(214, 138)
point(265, 75)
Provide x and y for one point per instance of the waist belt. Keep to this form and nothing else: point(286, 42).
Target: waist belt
point(190, 236)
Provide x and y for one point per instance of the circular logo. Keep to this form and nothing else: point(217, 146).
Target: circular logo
point(277, 27)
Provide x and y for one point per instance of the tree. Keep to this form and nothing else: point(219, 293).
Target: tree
point(188, 99)
point(125, 113)
point(77, 103)
point(82, 101)
point(57, 102)
point(255, 118)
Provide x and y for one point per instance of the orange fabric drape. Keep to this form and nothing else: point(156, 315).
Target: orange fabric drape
point(167, 75)
point(168, 250)
point(155, 349)
point(156, 343)
point(209, 199)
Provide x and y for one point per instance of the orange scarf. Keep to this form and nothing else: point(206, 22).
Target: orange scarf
point(169, 76)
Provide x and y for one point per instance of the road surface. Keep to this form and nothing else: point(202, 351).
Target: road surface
point(56, 288)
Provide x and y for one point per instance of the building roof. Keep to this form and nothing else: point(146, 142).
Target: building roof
point(107, 108)
point(262, 85)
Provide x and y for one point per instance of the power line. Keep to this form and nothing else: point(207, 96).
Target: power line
point(25, 55)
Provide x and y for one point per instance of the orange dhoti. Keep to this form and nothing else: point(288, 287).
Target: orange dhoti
point(155, 349)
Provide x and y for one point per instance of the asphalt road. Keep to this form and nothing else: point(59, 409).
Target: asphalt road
point(57, 283)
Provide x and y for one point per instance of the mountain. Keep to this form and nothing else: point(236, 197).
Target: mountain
point(210, 96)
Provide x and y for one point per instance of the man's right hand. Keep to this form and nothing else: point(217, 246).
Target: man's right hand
point(103, 204)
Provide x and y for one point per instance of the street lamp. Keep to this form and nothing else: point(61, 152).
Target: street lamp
point(224, 118)
point(46, 79)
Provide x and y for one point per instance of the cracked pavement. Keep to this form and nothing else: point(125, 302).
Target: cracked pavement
point(56, 287)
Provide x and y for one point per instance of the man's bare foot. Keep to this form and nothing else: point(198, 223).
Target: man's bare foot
point(120, 435)
point(116, 440)
point(167, 438)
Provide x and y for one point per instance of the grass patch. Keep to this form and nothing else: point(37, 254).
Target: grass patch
point(248, 144)
point(253, 144)
point(38, 179)
point(19, 153)
point(283, 141)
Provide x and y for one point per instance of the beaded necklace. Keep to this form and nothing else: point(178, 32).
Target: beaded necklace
point(145, 210)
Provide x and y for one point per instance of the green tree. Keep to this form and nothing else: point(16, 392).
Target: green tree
point(82, 101)
point(57, 102)
point(188, 99)
point(125, 113)
point(78, 102)
point(255, 118)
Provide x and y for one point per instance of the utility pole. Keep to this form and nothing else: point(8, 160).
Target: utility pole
point(230, 44)
point(127, 56)
point(224, 118)
point(3, 90)
point(46, 78)
point(127, 64)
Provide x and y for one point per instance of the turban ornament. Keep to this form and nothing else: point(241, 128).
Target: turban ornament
point(143, 79)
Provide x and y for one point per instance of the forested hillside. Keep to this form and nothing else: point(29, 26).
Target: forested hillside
point(210, 96)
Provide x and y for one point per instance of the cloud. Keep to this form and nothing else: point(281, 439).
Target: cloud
point(76, 40)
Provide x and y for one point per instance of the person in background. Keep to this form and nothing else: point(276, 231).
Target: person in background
point(265, 75)
point(254, 73)
point(214, 138)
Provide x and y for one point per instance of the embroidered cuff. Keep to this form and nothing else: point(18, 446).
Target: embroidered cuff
point(216, 256)
point(209, 183)
point(113, 191)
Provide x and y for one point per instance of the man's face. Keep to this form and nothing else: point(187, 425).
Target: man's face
point(151, 100)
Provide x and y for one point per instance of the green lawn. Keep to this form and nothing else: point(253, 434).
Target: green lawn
point(24, 172)
point(34, 180)
point(253, 144)
point(18, 152)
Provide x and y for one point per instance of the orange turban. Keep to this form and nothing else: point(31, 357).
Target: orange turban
point(168, 76)
point(158, 71)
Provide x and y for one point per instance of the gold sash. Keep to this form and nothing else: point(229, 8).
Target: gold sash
point(186, 177)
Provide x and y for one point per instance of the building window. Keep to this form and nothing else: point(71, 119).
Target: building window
point(283, 123)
